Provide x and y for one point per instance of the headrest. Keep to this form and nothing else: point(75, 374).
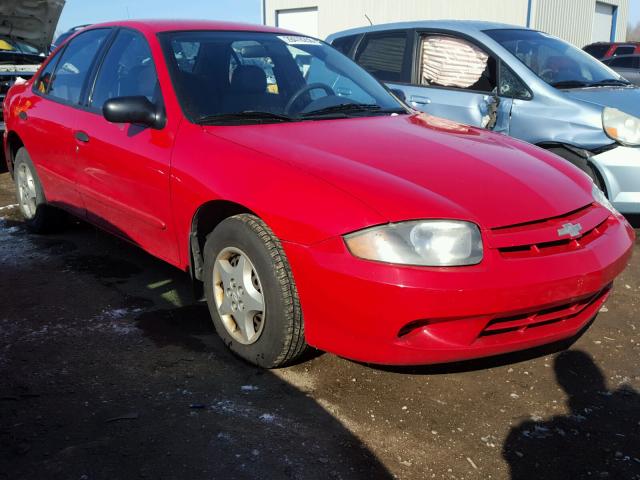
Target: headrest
point(249, 79)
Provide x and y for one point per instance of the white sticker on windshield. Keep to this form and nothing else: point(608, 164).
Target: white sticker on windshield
point(298, 40)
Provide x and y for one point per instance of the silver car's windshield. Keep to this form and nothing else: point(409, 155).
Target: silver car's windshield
point(555, 61)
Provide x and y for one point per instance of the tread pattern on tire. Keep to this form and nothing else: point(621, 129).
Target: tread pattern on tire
point(294, 336)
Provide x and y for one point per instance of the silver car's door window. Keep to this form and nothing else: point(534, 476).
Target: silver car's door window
point(459, 80)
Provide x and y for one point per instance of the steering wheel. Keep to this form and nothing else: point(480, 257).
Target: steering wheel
point(307, 88)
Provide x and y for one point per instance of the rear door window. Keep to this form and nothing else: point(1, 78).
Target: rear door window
point(386, 56)
point(127, 70)
point(72, 70)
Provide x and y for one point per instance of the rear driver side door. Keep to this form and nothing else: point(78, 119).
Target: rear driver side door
point(58, 91)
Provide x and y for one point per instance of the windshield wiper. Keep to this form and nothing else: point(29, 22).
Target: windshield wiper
point(346, 108)
point(570, 84)
point(246, 115)
point(581, 84)
point(610, 82)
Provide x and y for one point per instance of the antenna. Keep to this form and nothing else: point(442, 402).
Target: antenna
point(367, 17)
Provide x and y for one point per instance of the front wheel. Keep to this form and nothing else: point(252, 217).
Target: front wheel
point(251, 294)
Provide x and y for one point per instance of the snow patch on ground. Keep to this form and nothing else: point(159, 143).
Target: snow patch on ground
point(229, 407)
point(117, 320)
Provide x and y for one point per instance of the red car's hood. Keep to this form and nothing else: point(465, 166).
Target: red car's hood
point(410, 167)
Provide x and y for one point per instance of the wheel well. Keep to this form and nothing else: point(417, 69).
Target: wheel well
point(581, 153)
point(15, 143)
point(206, 218)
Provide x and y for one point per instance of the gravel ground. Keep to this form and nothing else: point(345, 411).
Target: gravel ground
point(110, 371)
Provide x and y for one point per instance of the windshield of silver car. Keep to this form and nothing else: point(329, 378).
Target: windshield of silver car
point(555, 61)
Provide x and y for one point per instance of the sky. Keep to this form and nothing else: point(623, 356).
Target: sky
point(634, 12)
point(79, 12)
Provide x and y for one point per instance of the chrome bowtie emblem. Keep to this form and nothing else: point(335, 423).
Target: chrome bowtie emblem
point(571, 229)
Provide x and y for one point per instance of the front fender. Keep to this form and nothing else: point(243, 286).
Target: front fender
point(298, 206)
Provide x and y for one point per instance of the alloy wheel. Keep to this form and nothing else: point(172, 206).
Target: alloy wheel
point(238, 295)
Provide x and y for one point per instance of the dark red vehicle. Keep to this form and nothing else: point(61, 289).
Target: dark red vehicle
point(312, 206)
point(604, 50)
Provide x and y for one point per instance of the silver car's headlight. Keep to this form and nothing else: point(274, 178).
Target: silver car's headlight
point(621, 127)
point(434, 243)
point(601, 198)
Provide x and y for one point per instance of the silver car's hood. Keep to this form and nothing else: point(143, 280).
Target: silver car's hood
point(33, 21)
point(626, 99)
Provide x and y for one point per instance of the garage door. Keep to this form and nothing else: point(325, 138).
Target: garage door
point(602, 22)
point(303, 20)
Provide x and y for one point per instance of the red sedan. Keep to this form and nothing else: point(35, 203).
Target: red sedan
point(309, 203)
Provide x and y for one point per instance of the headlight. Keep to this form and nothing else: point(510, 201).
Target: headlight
point(621, 127)
point(601, 198)
point(435, 243)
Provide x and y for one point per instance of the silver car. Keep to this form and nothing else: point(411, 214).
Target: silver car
point(517, 81)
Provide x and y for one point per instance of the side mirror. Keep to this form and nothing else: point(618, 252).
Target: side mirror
point(399, 93)
point(138, 110)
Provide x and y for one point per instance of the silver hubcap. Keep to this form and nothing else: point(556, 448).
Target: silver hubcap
point(238, 295)
point(26, 191)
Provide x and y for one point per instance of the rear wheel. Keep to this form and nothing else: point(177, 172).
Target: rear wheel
point(38, 216)
point(251, 294)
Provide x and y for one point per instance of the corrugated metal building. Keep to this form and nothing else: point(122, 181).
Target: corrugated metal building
point(578, 21)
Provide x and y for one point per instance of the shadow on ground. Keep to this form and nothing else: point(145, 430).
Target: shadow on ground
point(110, 371)
point(602, 429)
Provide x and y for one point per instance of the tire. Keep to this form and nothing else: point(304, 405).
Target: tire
point(580, 162)
point(39, 217)
point(273, 335)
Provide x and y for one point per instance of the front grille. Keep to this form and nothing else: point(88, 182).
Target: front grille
point(547, 316)
point(541, 238)
point(557, 246)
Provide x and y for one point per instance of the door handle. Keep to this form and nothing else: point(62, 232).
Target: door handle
point(81, 136)
point(419, 99)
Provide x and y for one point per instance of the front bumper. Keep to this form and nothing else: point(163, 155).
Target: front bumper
point(620, 169)
point(389, 314)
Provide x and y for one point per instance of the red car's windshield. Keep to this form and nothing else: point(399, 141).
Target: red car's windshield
point(238, 77)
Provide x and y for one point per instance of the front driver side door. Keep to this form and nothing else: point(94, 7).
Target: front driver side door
point(124, 169)
point(458, 80)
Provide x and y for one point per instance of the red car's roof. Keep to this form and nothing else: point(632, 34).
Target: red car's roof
point(156, 26)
